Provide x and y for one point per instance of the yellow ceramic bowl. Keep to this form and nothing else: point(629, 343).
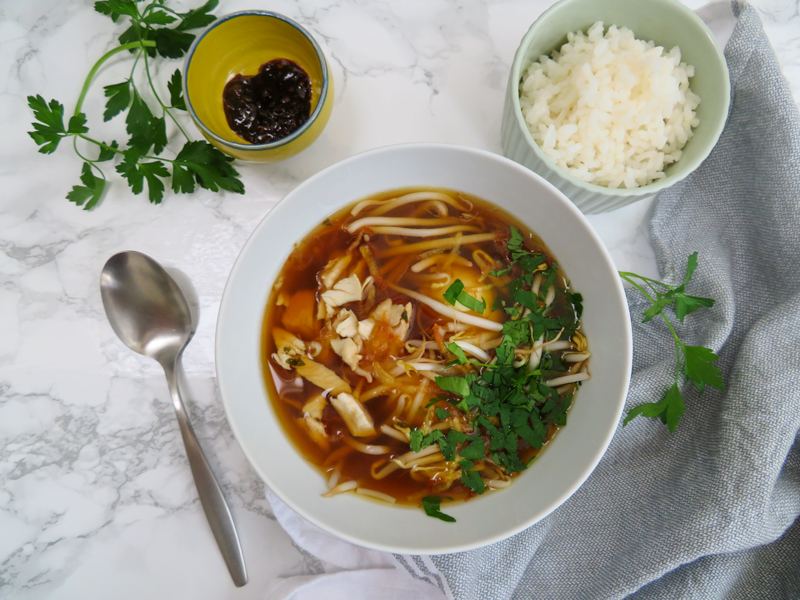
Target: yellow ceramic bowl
point(240, 43)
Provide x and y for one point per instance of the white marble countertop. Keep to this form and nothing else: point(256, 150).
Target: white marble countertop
point(96, 498)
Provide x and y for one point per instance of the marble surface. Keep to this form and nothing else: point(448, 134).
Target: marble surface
point(96, 498)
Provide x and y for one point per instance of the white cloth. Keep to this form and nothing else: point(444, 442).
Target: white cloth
point(349, 571)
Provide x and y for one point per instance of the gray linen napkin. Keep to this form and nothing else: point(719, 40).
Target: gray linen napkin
point(696, 514)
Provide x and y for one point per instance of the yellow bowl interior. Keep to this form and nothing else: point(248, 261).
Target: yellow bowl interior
point(239, 46)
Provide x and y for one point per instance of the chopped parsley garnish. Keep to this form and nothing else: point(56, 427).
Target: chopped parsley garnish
point(431, 505)
point(295, 362)
point(455, 293)
point(327, 223)
point(508, 405)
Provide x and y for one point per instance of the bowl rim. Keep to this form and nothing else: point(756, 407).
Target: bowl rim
point(225, 309)
point(651, 188)
point(243, 146)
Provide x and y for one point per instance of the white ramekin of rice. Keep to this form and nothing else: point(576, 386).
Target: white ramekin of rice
point(668, 23)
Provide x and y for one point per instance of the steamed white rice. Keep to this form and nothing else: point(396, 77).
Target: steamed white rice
point(610, 109)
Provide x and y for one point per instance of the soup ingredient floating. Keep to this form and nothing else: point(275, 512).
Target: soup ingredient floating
point(154, 31)
point(610, 109)
point(421, 346)
point(269, 105)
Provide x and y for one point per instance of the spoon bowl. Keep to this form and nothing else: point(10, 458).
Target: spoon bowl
point(145, 307)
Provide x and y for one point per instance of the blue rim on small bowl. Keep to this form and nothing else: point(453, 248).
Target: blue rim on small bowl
point(245, 147)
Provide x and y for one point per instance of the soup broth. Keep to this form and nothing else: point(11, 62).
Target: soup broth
point(421, 343)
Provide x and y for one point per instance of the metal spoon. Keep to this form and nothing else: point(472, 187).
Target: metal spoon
point(149, 313)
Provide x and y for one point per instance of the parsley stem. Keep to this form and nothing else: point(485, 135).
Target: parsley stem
point(101, 144)
point(160, 7)
point(118, 151)
point(158, 99)
point(104, 58)
point(624, 273)
point(678, 344)
point(92, 163)
point(165, 110)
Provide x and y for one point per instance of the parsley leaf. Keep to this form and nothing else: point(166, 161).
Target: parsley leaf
point(473, 481)
point(558, 414)
point(456, 385)
point(137, 172)
point(119, 98)
point(90, 191)
point(475, 450)
point(657, 307)
point(415, 437)
point(458, 351)
point(501, 272)
point(515, 244)
point(442, 414)
point(175, 87)
point(171, 43)
point(158, 17)
point(50, 127)
point(432, 504)
point(452, 292)
point(117, 8)
point(199, 17)
point(210, 168)
point(577, 301)
point(106, 153)
point(455, 293)
point(670, 409)
point(699, 369)
point(688, 304)
point(691, 266)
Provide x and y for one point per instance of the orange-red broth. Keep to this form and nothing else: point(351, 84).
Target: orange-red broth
point(299, 275)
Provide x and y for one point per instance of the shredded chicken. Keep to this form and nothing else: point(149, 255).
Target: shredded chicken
point(322, 377)
point(365, 328)
point(349, 289)
point(288, 346)
point(312, 419)
point(334, 269)
point(355, 416)
point(396, 315)
point(348, 349)
point(347, 325)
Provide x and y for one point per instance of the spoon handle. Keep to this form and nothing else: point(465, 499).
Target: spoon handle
point(214, 504)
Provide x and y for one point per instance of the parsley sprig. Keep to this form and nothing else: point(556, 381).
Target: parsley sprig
point(155, 30)
point(696, 360)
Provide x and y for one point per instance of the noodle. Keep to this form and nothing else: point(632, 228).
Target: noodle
point(366, 448)
point(377, 495)
point(341, 488)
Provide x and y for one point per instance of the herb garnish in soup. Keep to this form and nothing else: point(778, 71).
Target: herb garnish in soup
point(421, 346)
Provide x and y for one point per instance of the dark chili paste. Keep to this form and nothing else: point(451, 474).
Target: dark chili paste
point(270, 105)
